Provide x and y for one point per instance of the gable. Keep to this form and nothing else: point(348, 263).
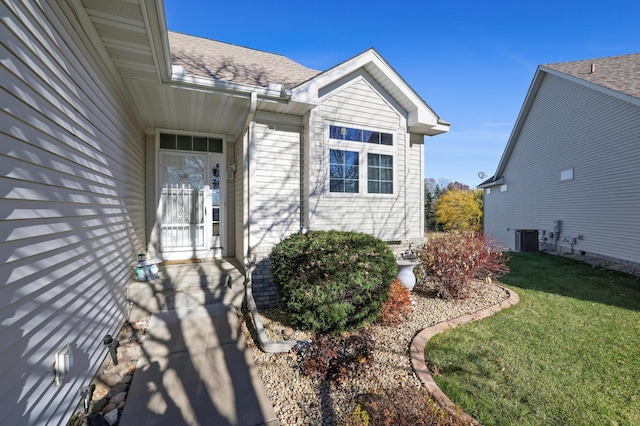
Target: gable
point(616, 77)
point(421, 119)
point(358, 102)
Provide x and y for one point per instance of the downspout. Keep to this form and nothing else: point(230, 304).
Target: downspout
point(249, 258)
point(248, 130)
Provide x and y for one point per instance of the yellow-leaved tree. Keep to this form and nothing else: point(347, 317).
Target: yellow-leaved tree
point(459, 210)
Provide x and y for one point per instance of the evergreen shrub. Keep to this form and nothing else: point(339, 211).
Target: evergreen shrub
point(331, 281)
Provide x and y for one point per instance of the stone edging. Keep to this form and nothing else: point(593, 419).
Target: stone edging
point(418, 362)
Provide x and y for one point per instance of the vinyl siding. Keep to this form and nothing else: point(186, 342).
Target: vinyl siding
point(572, 126)
point(360, 104)
point(72, 209)
point(275, 185)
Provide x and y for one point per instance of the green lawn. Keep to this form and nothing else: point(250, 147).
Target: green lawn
point(567, 354)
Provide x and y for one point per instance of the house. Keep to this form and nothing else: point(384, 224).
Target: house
point(118, 137)
point(568, 180)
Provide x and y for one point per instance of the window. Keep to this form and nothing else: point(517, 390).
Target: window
point(190, 143)
point(360, 161)
point(343, 171)
point(359, 135)
point(566, 174)
point(379, 174)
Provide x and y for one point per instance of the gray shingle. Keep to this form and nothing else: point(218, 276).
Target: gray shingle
point(227, 62)
point(619, 73)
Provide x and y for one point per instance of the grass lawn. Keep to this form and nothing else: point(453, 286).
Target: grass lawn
point(567, 354)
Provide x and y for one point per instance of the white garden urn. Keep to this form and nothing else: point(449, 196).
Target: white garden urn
point(405, 272)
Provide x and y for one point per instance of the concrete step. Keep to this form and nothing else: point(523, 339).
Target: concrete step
point(186, 285)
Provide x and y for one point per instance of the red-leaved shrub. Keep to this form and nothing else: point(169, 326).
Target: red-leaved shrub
point(397, 306)
point(454, 260)
point(335, 358)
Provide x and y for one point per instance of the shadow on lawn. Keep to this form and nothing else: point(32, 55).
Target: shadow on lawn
point(572, 278)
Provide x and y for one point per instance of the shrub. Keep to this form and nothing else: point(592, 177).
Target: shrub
point(331, 281)
point(454, 260)
point(397, 306)
point(400, 407)
point(336, 358)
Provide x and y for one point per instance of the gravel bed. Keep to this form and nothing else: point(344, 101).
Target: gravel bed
point(298, 400)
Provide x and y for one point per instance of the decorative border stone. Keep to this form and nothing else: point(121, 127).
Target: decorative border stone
point(418, 362)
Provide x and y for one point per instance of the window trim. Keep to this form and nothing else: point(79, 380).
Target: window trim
point(362, 148)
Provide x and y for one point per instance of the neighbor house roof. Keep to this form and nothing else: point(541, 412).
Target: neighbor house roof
point(618, 73)
point(236, 64)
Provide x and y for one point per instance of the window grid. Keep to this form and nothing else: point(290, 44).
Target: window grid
point(190, 143)
point(379, 174)
point(344, 171)
point(359, 135)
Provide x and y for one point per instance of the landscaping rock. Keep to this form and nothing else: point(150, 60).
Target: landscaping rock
point(298, 400)
point(97, 420)
point(112, 417)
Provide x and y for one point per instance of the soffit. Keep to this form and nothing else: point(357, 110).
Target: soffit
point(122, 27)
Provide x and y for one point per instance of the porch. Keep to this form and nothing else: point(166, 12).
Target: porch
point(187, 284)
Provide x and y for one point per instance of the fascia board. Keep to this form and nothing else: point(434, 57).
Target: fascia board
point(223, 87)
point(156, 22)
point(491, 182)
point(307, 92)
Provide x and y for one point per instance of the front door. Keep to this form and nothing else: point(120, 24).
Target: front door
point(189, 206)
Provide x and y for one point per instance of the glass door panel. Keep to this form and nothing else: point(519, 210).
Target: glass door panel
point(183, 215)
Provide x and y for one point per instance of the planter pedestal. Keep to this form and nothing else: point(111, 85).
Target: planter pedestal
point(405, 273)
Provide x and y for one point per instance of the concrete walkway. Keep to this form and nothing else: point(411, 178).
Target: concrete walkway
point(197, 370)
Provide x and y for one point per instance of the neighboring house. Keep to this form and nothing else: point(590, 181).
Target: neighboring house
point(118, 137)
point(569, 177)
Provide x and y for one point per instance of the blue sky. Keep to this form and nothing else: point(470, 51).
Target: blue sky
point(471, 61)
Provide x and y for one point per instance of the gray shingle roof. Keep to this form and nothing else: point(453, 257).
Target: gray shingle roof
point(227, 62)
point(619, 73)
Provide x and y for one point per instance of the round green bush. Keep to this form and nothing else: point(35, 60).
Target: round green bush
point(331, 281)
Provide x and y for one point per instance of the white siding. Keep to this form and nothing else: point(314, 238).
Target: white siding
point(572, 126)
point(274, 203)
point(72, 209)
point(361, 104)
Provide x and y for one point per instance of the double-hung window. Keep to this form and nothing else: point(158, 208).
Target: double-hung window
point(360, 161)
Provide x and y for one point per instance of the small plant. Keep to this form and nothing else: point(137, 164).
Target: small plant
point(332, 281)
point(336, 358)
point(397, 306)
point(406, 407)
point(409, 254)
point(454, 260)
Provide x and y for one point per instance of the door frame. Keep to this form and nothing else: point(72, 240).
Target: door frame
point(220, 157)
